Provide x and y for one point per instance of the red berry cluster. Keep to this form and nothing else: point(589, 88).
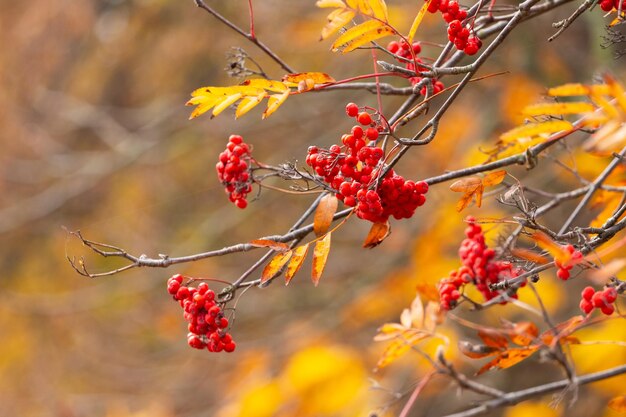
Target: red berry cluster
point(403, 50)
point(479, 268)
point(233, 170)
point(207, 324)
point(564, 268)
point(598, 299)
point(458, 33)
point(608, 5)
point(353, 169)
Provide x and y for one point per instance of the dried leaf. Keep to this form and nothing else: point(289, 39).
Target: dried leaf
point(316, 77)
point(509, 358)
point(299, 254)
point(389, 331)
point(266, 243)
point(434, 315)
point(466, 185)
point(524, 333)
point(417, 313)
point(275, 265)
point(274, 102)
point(320, 255)
point(493, 338)
point(378, 232)
point(324, 213)
point(477, 351)
point(562, 330)
point(618, 404)
point(417, 21)
point(466, 200)
point(336, 20)
point(574, 107)
point(494, 178)
point(400, 346)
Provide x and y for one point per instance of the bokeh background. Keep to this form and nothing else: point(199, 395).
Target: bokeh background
point(95, 137)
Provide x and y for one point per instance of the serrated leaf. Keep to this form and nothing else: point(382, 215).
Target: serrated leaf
point(618, 404)
point(535, 129)
point(330, 3)
point(320, 256)
point(296, 261)
point(267, 243)
point(275, 265)
point(379, 9)
point(316, 77)
point(378, 232)
point(576, 107)
point(477, 351)
point(417, 21)
point(273, 103)
point(336, 20)
point(509, 358)
point(324, 213)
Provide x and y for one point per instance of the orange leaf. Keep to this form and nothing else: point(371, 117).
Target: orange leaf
point(557, 251)
point(324, 214)
point(531, 130)
point(618, 404)
point(400, 346)
point(316, 77)
point(320, 255)
point(428, 291)
point(275, 265)
point(529, 255)
point(494, 178)
point(466, 185)
point(266, 243)
point(296, 261)
point(493, 338)
point(563, 330)
point(509, 358)
point(524, 333)
point(477, 351)
point(574, 107)
point(378, 232)
point(464, 201)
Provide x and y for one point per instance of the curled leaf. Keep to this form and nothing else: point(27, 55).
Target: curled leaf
point(267, 243)
point(324, 214)
point(299, 254)
point(378, 232)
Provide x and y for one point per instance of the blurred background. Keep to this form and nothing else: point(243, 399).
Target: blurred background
point(95, 137)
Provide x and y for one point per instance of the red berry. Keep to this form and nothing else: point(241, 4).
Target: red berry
point(364, 118)
point(610, 295)
point(586, 306)
point(607, 309)
point(352, 109)
point(372, 133)
point(587, 293)
point(598, 300)
point(562, 274)
point(392, 47)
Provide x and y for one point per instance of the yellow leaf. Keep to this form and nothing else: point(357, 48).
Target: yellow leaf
point(378, 232)
point(266, 243)
point(617, 91)
point(605, 138)
point(247, 104)
point(366, 38)
point(535, 129)
point(606, 105)
point(275, 265)
point(354, 4)
point(224, 104)
point(417, 21)
point(316, 77)
point(364, 7)
point(330, 3)
point(577, 90)
point(400, 346)
point(324, 213)
point(618, 404)
point(355, 32)
point(379, 9)
point(336, 20)
point(493, 338)
point(577, 107)
point(494, 178)
point(274, 102)
point(389, 331)
point(320, 255)
point(269, 85)
point(296, 261)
